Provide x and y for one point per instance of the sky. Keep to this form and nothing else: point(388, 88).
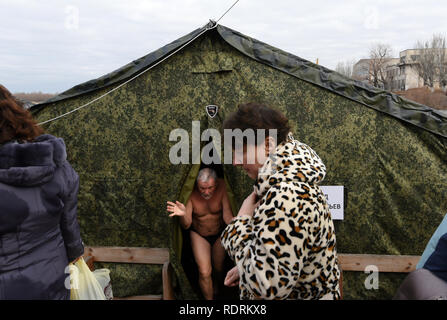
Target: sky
point(53, 45)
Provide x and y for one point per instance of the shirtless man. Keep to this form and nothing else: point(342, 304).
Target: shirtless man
point(206, 214)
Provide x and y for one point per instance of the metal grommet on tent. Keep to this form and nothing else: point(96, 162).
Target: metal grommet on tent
point(212, 24)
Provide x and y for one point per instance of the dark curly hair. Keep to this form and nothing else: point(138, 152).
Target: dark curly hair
point(16, 123)
point(254, 116)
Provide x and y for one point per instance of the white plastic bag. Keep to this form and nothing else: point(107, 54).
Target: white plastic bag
point(84, 285)
point(103, 277)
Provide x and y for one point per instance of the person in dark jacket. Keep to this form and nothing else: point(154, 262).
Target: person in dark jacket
point(429, 280)
point(434, 257)
point(39, 231)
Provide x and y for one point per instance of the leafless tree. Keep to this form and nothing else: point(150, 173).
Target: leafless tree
point(346, 68)
point(379, 55)
point(431, 61)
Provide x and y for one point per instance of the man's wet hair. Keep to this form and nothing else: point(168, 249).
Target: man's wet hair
point(206, 174)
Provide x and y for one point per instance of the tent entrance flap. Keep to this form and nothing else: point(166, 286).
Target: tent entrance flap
point(182, 241)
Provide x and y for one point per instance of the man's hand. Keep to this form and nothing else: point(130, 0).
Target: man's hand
point(249, 205)
point(176, 209)
point(232, 278)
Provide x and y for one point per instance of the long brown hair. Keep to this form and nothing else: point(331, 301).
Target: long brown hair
point(16, 123)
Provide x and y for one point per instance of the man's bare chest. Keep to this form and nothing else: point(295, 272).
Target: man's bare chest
point(207, 208)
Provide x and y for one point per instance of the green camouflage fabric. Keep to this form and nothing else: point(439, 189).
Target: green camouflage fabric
point(388, 153)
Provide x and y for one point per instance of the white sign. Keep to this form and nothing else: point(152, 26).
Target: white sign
point(335, 200)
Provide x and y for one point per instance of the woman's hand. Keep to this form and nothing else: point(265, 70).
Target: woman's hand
point(177, 209)
point(249, 205)
point(232, 278)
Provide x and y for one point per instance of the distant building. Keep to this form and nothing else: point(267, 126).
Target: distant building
point(401, 73)
point(404, 75)
point(362, 69)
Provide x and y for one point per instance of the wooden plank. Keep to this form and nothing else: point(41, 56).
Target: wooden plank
point(89, 262)
point(168, 291)
point(128, 255)
point(385, 263)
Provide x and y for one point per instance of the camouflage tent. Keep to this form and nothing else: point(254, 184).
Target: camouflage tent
point(388, 153)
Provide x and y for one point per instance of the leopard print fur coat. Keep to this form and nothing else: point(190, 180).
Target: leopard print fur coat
point(287, 250)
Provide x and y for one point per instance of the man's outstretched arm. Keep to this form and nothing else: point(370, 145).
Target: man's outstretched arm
point(184, 213)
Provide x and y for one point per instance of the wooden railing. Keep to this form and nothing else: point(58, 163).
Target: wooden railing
point(347, 262)
point(156, 256)
point(384, 263)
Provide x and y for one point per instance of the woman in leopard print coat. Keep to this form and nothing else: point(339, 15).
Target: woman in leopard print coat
point(283, 239)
